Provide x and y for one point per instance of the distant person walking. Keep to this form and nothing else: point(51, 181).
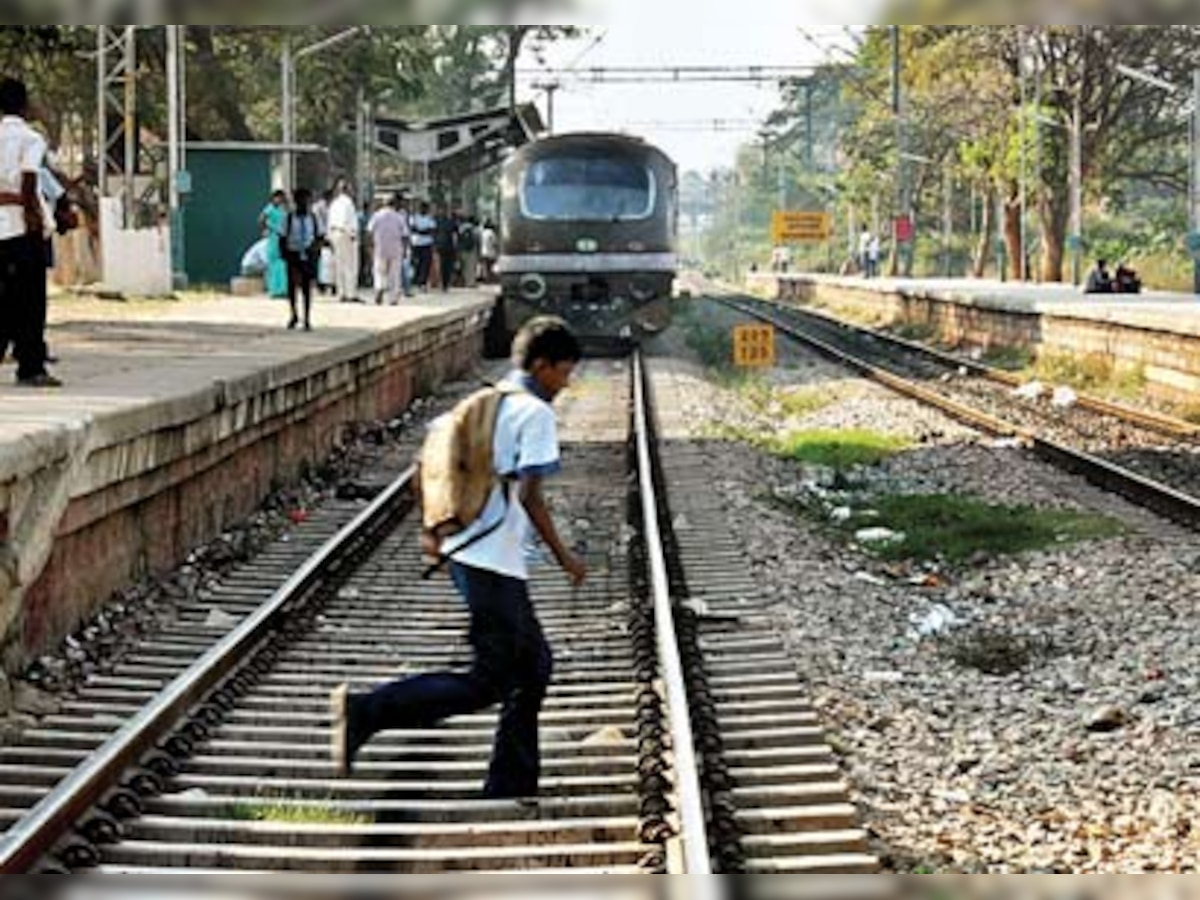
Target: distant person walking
point(423, 227)
point(24, 226)
point(874, 251)
point(302, 249)
point(343, 237)
point(271, 223)
point(512, 662)
point(389, 231)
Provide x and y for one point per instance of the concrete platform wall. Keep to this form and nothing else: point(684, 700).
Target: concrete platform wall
point(151, 486)
point(1170, 359)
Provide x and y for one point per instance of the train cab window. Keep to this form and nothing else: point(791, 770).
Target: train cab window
point(588, 188)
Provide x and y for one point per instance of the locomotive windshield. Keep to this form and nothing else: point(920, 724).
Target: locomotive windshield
point(588, 187)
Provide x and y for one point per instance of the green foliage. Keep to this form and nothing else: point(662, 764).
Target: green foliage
point(765, 399)
point(712, 344)
point(841, 450)
point(964, 117)
point(1011, 359)
point(958, 529)
point(1092, 372)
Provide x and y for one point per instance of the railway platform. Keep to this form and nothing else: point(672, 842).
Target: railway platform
point(1157, 333)
point(177, 419)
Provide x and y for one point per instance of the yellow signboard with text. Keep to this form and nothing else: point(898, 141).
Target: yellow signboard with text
point(754, 346)
point(801, 227)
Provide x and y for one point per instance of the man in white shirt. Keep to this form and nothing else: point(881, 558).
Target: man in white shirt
point(512, 663)
point(390, 232)
point(23, 231)
point(343, 237)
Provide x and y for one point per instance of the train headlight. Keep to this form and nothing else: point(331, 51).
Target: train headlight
point(533, 287)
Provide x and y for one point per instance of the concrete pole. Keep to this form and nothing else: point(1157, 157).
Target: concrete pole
point(1077, 190)
point(183, 118)
point(948, 217)
point(898, 115)
point(288, 111)
point(361, 156)
point(1038, 175)
point(173, 117)
point(1022, 126)
point(173, 150)
point(1195, 167)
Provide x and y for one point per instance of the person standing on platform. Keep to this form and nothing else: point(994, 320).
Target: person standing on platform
point(874, 252)
point(343, 237)
point(23, 230)
point(445, 241)
point(301, 249)
point(468, 251)
point(389, 231)
point(489, 250)
point(864, 252)
point(271, 224)
point(423, 227)
point(325, 276)
point(512, 661)
point(406, 265)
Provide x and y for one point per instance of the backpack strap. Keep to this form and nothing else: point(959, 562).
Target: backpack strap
point(505, 389)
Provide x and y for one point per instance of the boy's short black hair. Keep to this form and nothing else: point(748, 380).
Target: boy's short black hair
point(14, 97)
point(547, 338)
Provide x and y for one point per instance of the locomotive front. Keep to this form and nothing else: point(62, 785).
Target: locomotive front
point(589, 226)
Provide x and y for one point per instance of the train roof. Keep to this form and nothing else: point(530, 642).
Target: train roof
point(593, 138)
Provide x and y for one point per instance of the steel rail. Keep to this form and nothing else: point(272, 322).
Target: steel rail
point(1149, 419)
point(1142, 491)
point(46, 824)
point(694, 835)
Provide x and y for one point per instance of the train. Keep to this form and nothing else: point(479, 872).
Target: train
point(589, 227)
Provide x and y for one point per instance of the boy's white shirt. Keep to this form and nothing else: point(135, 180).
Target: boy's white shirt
point(526, 444)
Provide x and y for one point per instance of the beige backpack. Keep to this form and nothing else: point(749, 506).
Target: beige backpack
point(458, 472)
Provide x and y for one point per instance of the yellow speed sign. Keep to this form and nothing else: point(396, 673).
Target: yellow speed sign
point(754, 346)
point(801, 227)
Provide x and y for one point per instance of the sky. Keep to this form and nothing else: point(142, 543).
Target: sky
point(683, 33)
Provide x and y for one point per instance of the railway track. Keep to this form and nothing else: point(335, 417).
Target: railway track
point(1151, 460)
point(668, 750)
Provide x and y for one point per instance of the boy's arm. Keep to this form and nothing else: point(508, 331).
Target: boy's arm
point(535, 505)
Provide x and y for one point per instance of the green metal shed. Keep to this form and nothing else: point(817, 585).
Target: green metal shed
point(230, 185)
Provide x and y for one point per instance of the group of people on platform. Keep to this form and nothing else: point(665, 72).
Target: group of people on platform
point(409, 247)
point(1124, 281)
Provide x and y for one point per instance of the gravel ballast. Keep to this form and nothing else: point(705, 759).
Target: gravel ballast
point(1086, 758)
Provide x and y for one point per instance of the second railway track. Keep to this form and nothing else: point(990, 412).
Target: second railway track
point(1124, 451)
